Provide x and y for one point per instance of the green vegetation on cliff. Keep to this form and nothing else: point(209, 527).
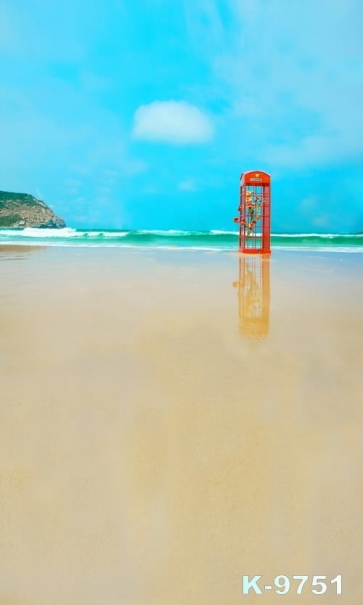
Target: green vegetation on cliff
point(20, 210)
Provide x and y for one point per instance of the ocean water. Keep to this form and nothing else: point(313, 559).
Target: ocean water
point(173, 239)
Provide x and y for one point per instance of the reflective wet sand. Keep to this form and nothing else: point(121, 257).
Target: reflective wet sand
point(154, 449)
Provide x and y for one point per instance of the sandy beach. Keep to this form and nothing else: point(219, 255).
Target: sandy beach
point(173, 420)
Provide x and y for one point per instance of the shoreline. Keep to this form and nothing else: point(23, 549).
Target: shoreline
point(274, 249)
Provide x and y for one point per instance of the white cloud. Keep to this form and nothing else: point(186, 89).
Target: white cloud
point(188, 184)
point(174, 122)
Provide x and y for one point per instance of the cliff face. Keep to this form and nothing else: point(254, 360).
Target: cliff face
point(19, 210)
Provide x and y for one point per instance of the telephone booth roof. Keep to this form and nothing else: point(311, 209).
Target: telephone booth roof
point(255, 177)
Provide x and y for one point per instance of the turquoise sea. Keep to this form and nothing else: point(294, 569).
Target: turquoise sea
point(172, 239)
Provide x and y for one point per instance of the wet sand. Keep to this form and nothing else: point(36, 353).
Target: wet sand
point(165, 431)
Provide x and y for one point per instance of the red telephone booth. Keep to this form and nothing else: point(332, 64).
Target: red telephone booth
point(254, 213)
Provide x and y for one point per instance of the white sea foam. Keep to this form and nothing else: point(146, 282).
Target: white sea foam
point(218, 232)
point(113, 234)
point(67, 232)
point(41, 233)
point(172, 232)
point(320, 235)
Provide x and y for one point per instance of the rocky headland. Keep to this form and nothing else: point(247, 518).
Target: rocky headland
point(20, 210)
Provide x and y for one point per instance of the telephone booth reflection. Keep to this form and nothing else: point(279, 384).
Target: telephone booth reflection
point(253, 290)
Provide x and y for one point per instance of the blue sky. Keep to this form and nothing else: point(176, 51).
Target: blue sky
point(143, 114)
